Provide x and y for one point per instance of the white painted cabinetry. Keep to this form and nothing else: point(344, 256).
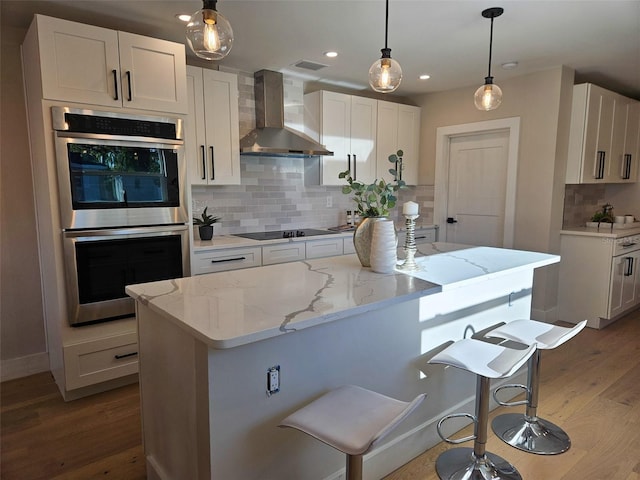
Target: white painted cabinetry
point(346, 125)
point(87, 64)
point(210, 261)
point(599, 278)
point(603, 139)
point(212, 128)
point(398, 129)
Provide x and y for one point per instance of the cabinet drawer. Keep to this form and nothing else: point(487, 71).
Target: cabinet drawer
point(328, 247)
point(627, 245)
point(97, 361)
point(211, 261)
point(348, 246)
point(283, 253)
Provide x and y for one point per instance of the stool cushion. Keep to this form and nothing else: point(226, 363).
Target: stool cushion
point(482, 358)
point(350, 418)
point(544, 335)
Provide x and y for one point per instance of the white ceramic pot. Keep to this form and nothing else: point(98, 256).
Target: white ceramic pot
point(383, 247)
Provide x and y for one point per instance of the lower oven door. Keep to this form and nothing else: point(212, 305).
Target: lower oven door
point(100, 263)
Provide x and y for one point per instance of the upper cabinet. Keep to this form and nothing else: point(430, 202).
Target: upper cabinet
point(93, 65)
point(398, 129)
point(212, 135)
point(346, 125)
point(603, 139)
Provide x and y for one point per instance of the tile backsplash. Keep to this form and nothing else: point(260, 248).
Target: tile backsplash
point(273, 195)
point(581, 202)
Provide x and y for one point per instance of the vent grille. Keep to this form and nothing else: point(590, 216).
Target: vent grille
point(309, 65)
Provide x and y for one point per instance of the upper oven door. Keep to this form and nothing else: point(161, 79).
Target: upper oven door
point(108, 181)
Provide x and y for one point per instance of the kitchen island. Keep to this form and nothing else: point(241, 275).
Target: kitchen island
point(208, 342)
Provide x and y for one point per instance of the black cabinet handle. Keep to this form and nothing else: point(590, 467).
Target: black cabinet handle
point(355, 167)
point(629, 270)
point(626, 175)
point(115, 83)
point(213, 167)
point(451, 220)
point(204, 160)
point(600, 165)
point(349, 162)
point(129, 84)
point(234, 259)
point(125, 355)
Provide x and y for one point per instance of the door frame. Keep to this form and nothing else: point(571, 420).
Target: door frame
point(443, 144)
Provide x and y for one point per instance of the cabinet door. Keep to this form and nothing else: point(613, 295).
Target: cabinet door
point(79, 63)
point(336, 136)
point(387, 138)
point(221, 127)
point(153, 73)
point(625, 283)
point(629, 165)
point(364, 114)
point(409, 142)
point(194, 132)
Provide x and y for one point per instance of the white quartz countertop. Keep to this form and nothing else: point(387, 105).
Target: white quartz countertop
point(233, 308)
point(605, 231)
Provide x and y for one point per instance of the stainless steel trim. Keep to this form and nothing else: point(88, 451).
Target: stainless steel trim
point(114, 138)
point(125, 232)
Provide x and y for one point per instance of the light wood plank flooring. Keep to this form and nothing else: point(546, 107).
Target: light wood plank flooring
point(590, 386)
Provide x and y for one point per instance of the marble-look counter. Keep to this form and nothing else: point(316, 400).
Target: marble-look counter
point(605, 231)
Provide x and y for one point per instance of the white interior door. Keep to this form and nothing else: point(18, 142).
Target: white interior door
point(477, 188)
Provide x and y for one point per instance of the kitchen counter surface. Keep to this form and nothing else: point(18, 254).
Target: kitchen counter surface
point(234, 308)
point(605, 231)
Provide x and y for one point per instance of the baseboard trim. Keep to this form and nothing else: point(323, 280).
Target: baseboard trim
point(24, 366)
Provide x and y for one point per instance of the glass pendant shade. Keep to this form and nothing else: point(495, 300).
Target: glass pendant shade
point(488, 96)
point(385, 74)
point(209, 33)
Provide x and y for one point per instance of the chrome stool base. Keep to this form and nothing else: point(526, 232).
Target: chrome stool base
point(462, 464)
point(540, 436)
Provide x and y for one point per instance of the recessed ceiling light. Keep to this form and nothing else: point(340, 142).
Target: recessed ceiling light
point(331, 54)
point(425, 77)
point(509, 65)
point(183, 17)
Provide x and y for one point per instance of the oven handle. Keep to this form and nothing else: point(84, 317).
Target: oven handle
point(113, 232)
point(100, 136)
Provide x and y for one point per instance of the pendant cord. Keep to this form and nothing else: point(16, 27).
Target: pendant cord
point(490, 46)
point(386, 26)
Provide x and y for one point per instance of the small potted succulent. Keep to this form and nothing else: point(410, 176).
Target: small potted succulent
point(205, 224)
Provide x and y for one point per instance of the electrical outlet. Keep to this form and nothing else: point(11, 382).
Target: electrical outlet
point(329, 201)
point(273, 380)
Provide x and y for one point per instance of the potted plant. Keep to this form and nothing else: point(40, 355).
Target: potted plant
point(205, 224)
point(373, 201)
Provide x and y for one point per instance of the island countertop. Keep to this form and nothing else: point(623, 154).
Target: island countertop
point(233, 308)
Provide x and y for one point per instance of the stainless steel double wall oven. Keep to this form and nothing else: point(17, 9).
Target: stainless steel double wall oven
point(123, 209)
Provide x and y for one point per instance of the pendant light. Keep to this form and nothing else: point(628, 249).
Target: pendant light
point(385, 74)
point(489, 96)
point(209, 33)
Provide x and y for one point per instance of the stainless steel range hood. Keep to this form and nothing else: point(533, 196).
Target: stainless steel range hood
point(271, 137)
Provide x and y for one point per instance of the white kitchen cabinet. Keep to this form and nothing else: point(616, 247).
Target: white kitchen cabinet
point(324, 247)
point(87, 64)
point(347, 126)
point(212, 127)
point(220, 260)
point(599, 278)
point(598, 137)
point(283, 252)
point(398, 129)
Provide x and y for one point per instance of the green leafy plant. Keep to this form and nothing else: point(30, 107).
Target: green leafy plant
point(378, 198)
point(605, 215)
point(205, 219)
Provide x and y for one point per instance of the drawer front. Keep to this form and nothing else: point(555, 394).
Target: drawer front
point(283, 253)
point(627, 245)
point(329, 247)
point(222, 260)
point(348, 246)
point(97, 361)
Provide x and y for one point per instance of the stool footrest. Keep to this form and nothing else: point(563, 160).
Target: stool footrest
point(456, 441)
point(510, 404)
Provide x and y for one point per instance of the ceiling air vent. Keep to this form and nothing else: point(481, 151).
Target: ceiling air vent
point(309, 65)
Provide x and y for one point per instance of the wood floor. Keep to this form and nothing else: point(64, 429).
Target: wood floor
point(590, 386)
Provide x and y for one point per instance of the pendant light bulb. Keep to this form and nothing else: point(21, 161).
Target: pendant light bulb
point(209, 33)
point(489, 96)
point(385, 74)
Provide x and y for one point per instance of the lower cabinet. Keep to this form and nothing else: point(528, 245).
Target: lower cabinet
point(283, 253)
point(599, 278)
point(326, 247)
point(211, 261)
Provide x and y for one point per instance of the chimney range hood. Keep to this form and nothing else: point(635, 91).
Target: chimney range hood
point(271, 137)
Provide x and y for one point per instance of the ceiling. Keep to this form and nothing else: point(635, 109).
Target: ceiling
point(447, 39)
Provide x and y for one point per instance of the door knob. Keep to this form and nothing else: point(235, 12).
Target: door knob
point(451, 220)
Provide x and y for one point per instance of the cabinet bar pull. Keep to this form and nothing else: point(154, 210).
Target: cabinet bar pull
point(627, 245)
point(349, 162)
point(129, 84)
point(204, 161)
point(629, 270)
point(234, 259)
point(627, 167)
point(355, 167)
point(125, 355)
point(213, 168)
point(600, 165)
point(115, 83)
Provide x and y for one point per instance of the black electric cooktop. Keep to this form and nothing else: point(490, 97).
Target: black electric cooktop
point(303, 232)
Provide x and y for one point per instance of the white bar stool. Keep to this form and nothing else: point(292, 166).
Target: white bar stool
point(352, 420)
point(528, 432)
point(487, 361)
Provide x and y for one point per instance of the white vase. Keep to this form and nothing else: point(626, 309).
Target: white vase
point(383, 247)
